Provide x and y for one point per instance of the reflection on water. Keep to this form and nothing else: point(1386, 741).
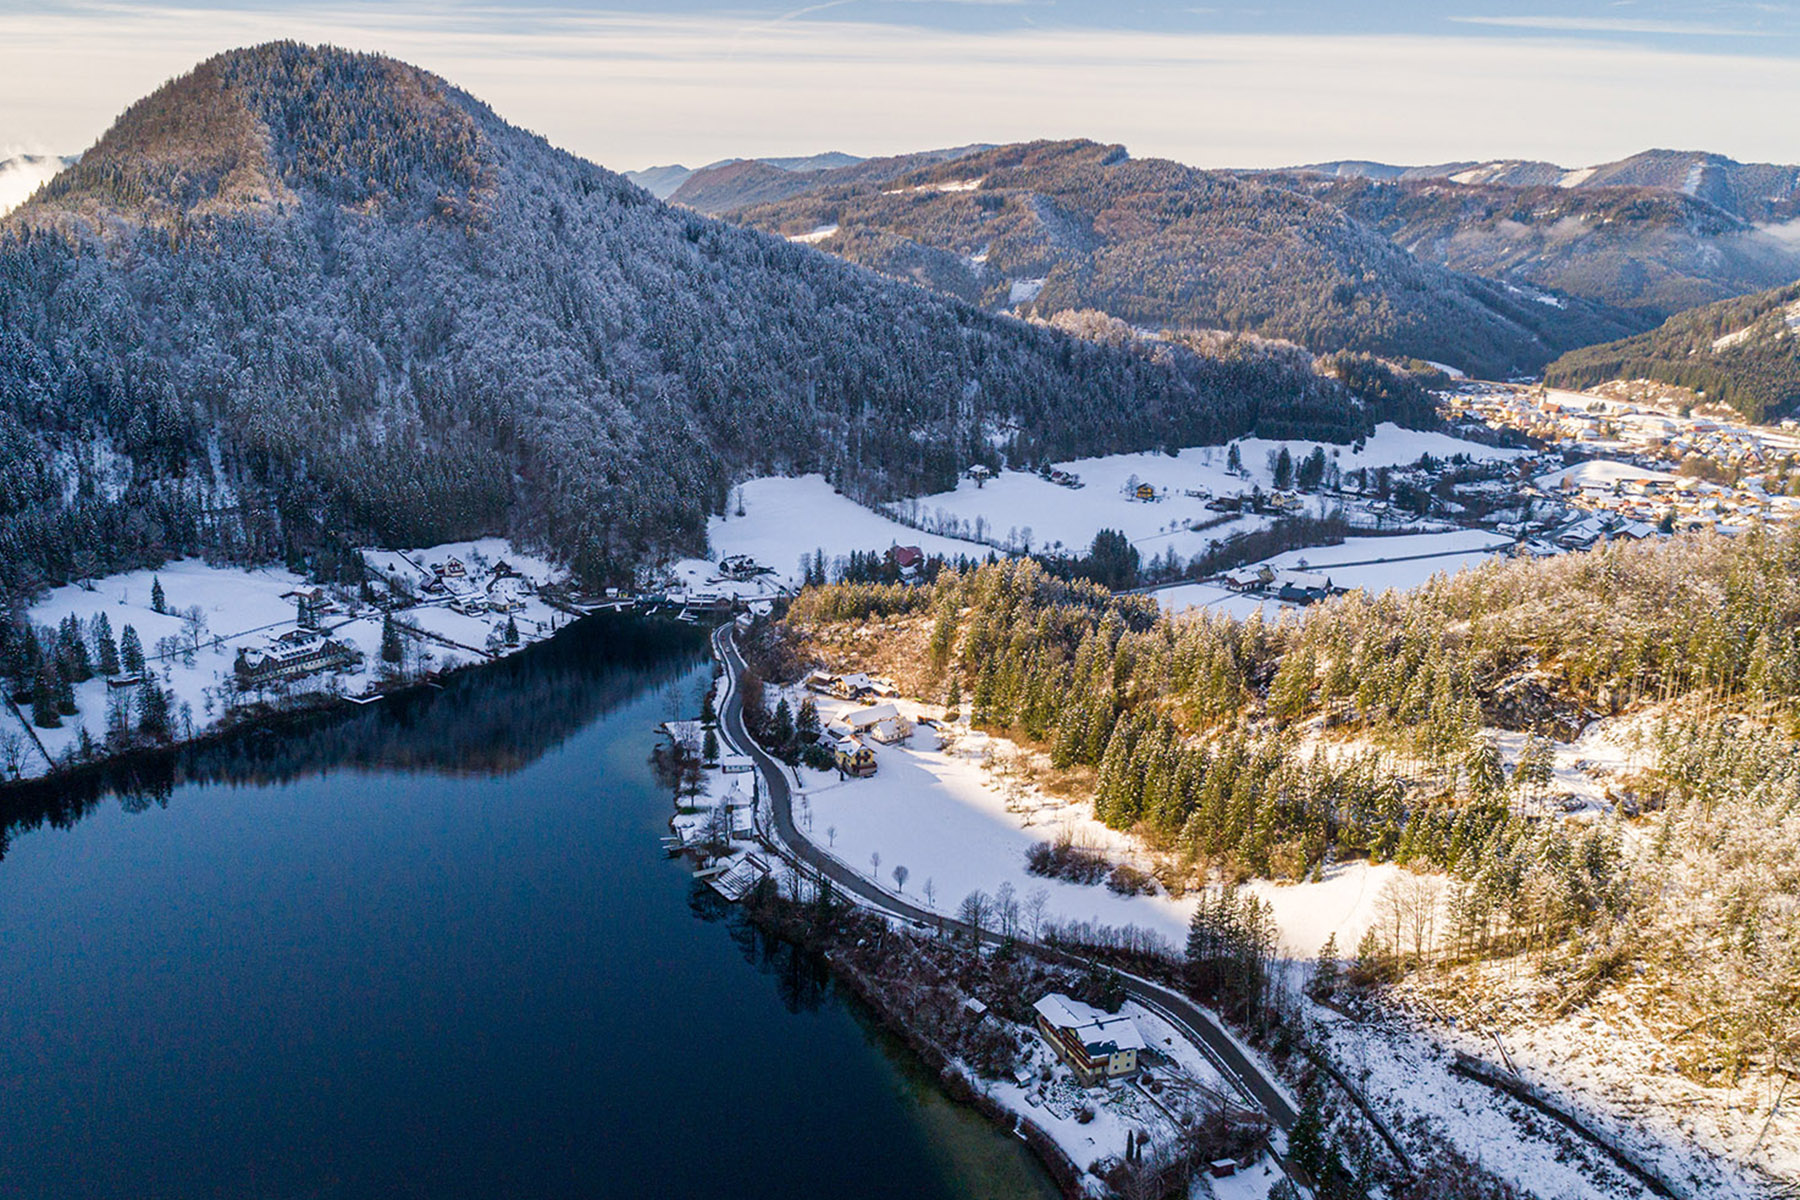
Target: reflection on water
point(490, 721)
point(430, 948)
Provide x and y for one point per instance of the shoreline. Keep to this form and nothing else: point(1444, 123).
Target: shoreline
point(1062, 1170)
point(148, 762)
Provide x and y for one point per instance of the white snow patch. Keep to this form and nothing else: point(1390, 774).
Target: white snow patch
point(816, 236)
point(1024, 291)
point(1602, 472)
point(785, 518)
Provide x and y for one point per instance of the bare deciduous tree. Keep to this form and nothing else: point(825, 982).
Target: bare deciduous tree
point(974, 910)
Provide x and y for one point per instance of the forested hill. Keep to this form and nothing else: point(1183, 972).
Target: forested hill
point(1052, 226)
point(1739, 352)
point(301, 297)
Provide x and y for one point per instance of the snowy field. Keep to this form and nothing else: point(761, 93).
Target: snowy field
point(212, 611)
point(1185, 596)
point(1374, 564)
point(1016, 504)
point(951, 813)
point(787, 518)
point(1380, 564)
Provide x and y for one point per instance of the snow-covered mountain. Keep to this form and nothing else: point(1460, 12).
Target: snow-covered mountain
point(1757, 192)
point(301, 296)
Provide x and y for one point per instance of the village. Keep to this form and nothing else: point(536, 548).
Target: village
point(1645, 459)
point(176, 652)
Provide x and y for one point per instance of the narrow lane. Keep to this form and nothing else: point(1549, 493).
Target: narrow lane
point(1200, 1026)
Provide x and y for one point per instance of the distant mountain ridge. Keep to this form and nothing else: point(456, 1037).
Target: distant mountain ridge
point(742, 183)
point(1656, 249)
point(1047, 227)
point(662, 182)
point(1764, 193)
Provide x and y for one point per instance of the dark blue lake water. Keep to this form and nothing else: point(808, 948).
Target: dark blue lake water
point(432, 949)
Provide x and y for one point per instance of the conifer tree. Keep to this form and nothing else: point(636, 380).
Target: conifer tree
point(782, 730)
point(1284, 470)
point(44, 708)
point(1325, 970)
point(158, 602)
point(106, 649)
point(392, 649)
point(131, 651)
point(153, 710)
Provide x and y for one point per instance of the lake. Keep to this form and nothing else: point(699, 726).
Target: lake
point(432, 948)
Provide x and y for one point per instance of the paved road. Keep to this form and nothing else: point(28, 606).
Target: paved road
point(1200, 1026)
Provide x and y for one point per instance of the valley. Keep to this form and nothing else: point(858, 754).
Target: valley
point(1250, 684)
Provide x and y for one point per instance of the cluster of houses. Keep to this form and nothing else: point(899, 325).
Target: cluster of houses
point(1061, 478)
point(1642, 433)
point(1292, 587)
point(503, 591)
point(848, 736)
point(740, 568)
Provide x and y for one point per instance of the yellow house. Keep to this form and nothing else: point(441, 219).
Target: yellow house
point(1096, 1044)
point(854, 758)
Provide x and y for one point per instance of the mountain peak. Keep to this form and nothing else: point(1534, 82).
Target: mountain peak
point(271, 125)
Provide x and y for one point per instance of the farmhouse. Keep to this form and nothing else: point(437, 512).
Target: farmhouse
point(853, 757)
point(858, 685)
point(908, 558)
point(882, 722)
point(1096, 1044)
point(1301, 587)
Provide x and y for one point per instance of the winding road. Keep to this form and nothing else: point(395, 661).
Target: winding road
point(1198, 1025)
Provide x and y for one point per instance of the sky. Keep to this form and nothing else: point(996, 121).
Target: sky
point(632, 83)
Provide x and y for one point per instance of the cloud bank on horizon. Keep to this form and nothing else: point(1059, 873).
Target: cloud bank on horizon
point(629, 83)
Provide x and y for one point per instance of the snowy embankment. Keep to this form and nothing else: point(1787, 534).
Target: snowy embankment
point(190, 650)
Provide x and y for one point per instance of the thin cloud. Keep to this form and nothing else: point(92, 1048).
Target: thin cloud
point(1610, 25)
